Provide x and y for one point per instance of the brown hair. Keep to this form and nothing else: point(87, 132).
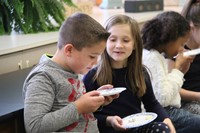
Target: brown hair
point(81, 31)
point(135, 68)
point(191, 11)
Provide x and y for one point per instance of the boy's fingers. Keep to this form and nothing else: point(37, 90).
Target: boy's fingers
point(94, 93)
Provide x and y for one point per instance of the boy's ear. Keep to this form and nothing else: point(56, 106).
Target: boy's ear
point(68, 49)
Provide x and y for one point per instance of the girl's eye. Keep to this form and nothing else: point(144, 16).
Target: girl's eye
point(126, 40)
point(112, 39)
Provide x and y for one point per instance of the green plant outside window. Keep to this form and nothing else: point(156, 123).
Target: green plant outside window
point(31, 16)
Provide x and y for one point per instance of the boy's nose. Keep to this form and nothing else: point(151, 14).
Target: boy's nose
point(94, 62)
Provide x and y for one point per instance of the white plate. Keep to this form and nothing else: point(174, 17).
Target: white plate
point(112, 91)
point(138, 119)
point(192, 52)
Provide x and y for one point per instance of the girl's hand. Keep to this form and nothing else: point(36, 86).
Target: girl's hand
point(108, 99)
point(170, 125)
point(182, 63)
point(115, 122)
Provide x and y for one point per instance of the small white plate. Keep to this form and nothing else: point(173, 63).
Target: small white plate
point(192, 52)
point(138, 119)
point(112, 91)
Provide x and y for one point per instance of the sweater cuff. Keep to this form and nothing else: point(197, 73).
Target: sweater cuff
point(178, 72)
point(74, 109)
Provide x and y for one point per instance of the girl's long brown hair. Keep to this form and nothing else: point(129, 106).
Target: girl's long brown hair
point(135, 73)
point(191, 11)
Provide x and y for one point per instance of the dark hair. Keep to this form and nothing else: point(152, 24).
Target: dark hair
point(134, 64)
point(191, 12)
point(163, 29)
point(81, 31)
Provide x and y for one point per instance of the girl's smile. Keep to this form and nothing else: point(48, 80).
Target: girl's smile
point(120, 44)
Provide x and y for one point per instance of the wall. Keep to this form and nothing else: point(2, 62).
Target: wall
point(25, 58)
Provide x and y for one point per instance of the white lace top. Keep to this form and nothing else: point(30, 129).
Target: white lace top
point(165, 85)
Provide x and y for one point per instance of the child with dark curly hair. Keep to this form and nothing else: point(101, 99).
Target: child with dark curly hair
point(164, 37)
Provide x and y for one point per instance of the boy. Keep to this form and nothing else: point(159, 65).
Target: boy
point(55, 98)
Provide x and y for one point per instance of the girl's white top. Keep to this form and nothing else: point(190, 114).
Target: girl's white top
point(166, 85)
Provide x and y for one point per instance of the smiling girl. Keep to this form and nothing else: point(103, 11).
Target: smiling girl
point(121, 66)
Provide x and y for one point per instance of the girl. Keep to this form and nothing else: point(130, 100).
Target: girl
point(121, 66)
point(165, 36)
point(191, 94)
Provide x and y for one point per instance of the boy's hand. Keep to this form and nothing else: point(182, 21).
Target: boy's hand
point(89, 102)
